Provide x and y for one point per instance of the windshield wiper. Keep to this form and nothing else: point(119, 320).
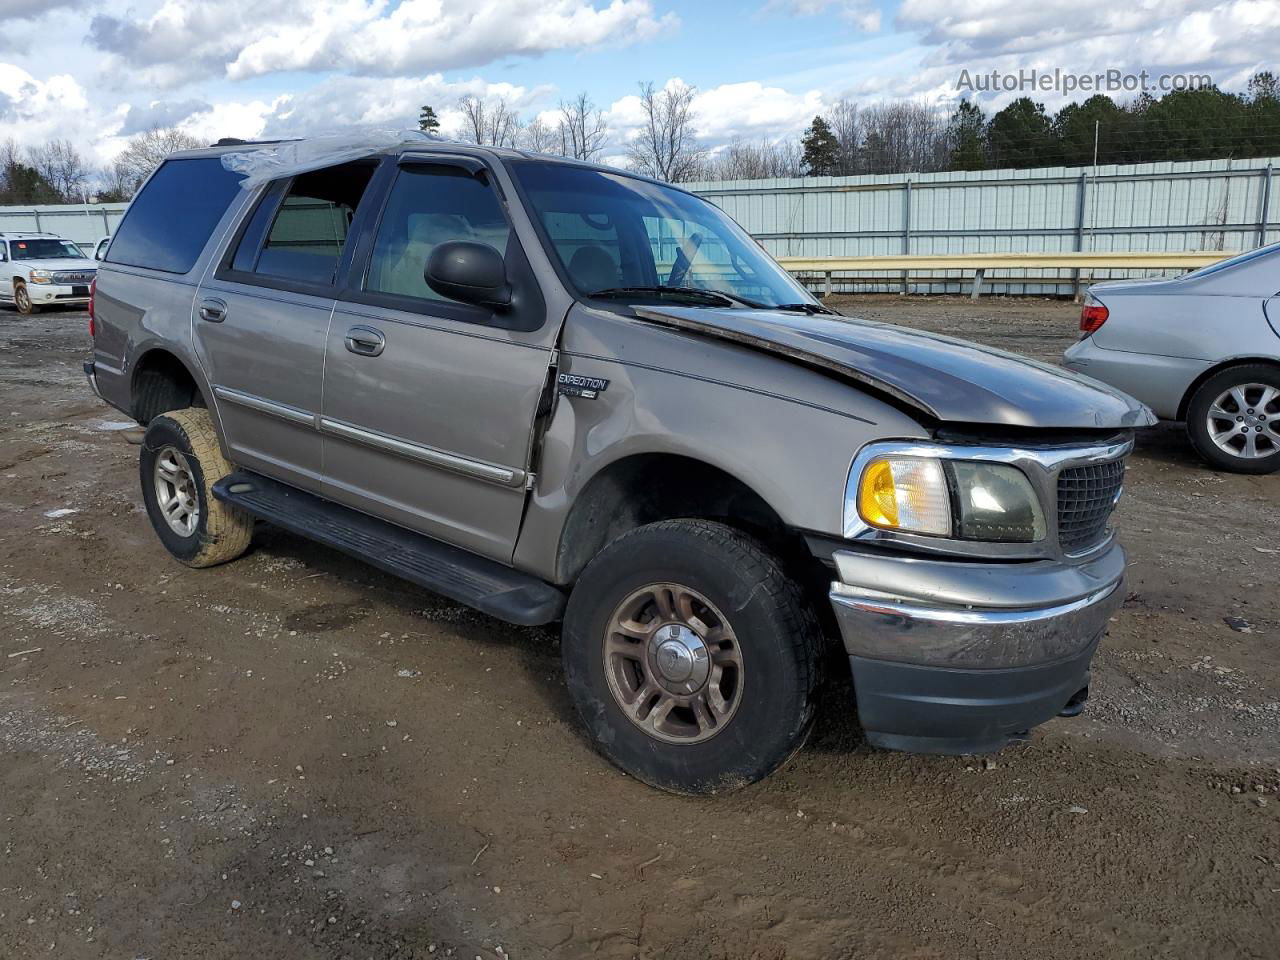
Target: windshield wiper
point(809, 308)
point(710, 297)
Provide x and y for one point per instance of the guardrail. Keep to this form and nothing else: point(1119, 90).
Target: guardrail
point(980, 263)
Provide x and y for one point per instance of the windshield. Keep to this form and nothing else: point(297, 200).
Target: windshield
point(616, 233)
point(1233, 262)
point(44, 249)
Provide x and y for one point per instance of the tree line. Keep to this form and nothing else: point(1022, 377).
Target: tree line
point(1201, 124)
point(56, 172)
point(847, 139)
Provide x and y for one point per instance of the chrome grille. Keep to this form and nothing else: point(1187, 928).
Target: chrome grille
point(1086, 497)
point(73, 276)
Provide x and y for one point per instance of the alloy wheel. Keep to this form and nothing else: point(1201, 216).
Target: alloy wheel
point(673, 663)
point(1244, 421)
point(176, 491)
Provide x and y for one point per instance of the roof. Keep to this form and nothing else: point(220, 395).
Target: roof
point(427, 146)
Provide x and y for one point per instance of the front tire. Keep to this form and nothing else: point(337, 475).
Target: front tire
point(179, 464)
point(691, 657)
point(1233, 419)
point(22, 299)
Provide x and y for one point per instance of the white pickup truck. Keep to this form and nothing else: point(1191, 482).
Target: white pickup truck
point(40, 269)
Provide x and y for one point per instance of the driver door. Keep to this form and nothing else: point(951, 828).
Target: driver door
point(428, 404)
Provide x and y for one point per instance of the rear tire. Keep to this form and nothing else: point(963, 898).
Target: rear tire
point(691, 657)
point(1233, 419)
point(179, 463)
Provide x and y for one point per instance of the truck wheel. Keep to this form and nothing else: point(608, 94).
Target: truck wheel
point(1233, 419)
point(179, 464)
point(691, 657)
point(22, 299)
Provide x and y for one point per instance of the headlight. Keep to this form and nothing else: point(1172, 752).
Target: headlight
point(40, 276)
point(995, 502)
point(962, 499)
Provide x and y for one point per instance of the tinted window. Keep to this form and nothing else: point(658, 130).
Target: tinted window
point(169, 222)
point(46, 248)
point(310, 228)
point(429, 206)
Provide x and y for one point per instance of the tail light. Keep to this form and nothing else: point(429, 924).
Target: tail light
point(93, 288)
point(1092, 316)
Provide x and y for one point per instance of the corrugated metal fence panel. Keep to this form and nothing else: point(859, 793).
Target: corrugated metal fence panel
point(1198, 205)
point(84, 224)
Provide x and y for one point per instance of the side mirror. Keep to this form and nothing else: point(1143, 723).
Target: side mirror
point(469, 272)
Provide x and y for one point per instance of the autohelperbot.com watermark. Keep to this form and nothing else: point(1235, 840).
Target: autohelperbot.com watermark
point(1065, 82)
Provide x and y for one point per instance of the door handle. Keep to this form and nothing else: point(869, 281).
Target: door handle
point(214, 311)
point(365, 341)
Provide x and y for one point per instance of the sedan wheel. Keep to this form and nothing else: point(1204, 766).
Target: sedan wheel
point(1245, 421)
point(1233, 419)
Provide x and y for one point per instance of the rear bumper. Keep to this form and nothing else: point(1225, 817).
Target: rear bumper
point(91, 373)
point(962, 658)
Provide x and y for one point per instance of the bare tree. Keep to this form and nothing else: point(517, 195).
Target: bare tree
point(539, 137)
point(902, 137)
point(490, 121)
point(63, 168)
point(846, 124)
point(114, 184)
point(145, 151)
point(767, 159)
point(666, 146)
point(583, 131)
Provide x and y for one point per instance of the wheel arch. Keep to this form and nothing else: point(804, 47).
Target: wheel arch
point(1205, 375)
point(642, 488)
point(162, 381)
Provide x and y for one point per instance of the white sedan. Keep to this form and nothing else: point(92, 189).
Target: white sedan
point(1203, 348)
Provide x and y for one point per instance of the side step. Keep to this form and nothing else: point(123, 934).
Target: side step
point(481, 583)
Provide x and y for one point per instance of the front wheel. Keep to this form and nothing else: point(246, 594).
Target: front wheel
point(691, 656)
point(22, 299)
point(1233, 419)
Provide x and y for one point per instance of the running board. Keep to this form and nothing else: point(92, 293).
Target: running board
point(484, 584)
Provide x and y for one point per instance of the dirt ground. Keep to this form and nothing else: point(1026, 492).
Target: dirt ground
point(295, 756)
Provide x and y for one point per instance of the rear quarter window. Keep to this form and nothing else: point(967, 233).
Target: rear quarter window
point(169, 222)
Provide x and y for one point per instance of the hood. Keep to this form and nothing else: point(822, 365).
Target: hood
point(59, 265)
point(945, 378)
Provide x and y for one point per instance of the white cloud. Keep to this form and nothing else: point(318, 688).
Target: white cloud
point(863, 14)
point(181, 40)
point(34, 110)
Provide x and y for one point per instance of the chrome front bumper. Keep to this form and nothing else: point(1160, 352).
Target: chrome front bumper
point(962, 657)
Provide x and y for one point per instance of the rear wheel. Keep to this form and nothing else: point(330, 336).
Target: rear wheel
point(691, 656)
point(22, 299)
point(179, 464)
point(1233, 419)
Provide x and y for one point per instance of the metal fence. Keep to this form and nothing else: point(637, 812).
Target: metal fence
point(82, 223)
point(1205, 205)
point(1209, 205)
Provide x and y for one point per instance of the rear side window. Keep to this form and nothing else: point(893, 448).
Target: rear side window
point(309, 229)
point(169, 222)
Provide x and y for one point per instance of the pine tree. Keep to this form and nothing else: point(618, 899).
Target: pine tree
point(821, 149)
point(967, 132)
point(428, 122)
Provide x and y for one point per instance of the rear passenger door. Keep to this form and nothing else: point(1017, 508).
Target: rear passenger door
point(429, 403)
point(261, 321)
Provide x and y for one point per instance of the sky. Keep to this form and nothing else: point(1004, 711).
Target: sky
point(97, 71)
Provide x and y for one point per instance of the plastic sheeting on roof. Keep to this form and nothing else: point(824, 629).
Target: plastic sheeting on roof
point(300, 156)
